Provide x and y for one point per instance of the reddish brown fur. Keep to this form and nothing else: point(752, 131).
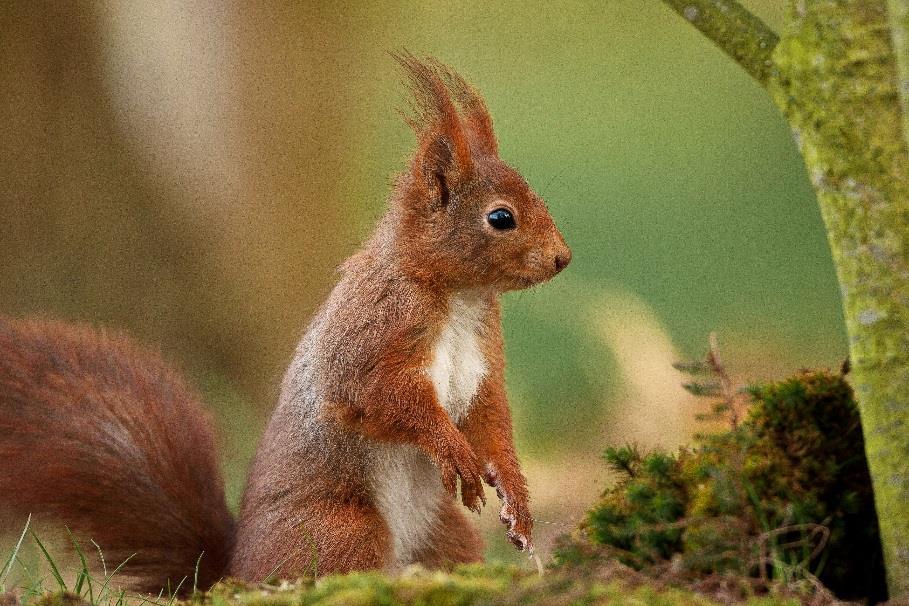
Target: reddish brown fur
point(102, 436)
point(358, 408)
point(488, 429)
point(457, 542)
point(360, 373)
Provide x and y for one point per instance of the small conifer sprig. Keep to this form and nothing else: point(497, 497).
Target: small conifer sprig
point(711, 380)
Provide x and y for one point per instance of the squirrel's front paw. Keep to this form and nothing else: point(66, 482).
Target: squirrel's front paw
point(514, 513)
point(520, 524)
point(472, 496)
point(459, 460)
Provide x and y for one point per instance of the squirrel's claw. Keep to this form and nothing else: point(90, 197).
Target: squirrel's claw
point(456, 459)
point(521, 542)
point(472, 495)
point(475, 507)
point(473, 501)
point(518, 522)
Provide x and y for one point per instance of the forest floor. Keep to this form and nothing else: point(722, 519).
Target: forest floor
point(595, 583)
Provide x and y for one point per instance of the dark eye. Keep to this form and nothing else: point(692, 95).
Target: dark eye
point(501, 218)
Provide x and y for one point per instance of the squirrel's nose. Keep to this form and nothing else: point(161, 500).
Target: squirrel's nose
point(562, 259)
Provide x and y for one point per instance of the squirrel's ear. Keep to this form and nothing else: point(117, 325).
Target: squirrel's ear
point(436, 169)
point(473, 107)
point(443, 153)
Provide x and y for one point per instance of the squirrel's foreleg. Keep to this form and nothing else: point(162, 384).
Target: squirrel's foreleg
point(488, 429)
point(402, 407)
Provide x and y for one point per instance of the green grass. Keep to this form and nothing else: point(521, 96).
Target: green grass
point(85, 588)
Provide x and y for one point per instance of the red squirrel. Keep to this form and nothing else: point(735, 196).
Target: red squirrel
point(395, 395)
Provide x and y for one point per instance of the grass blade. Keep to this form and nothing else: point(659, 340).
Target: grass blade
point(107, 578)
point(196, 574)
point(173, 596)
point(80, 578)
point(4, 572)
point(270, 576)
point(84, 574)
point(100, 555)
point(35, 586)
point(50, 561)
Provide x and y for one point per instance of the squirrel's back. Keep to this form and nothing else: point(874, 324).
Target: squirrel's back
point(100, 435)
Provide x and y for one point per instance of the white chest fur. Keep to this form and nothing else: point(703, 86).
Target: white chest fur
point(407, 486)
point(458, 364)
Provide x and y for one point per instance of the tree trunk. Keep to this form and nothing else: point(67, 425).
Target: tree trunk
point(834, 76)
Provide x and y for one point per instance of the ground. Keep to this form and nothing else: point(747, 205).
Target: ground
point(489, 585)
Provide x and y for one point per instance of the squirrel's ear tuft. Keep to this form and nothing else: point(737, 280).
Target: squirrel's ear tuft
point(443, 150)
point(472, 106)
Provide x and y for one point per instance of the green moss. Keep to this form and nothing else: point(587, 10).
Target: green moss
point(479, 585)
point(64, 598)
point(786, 494)
point(599, 584)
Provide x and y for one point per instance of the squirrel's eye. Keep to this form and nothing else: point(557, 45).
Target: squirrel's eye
point(501, 218)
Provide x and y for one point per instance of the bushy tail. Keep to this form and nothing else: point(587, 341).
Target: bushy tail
point(100, 435)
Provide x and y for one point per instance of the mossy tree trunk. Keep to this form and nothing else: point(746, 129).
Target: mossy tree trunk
point(835, 74)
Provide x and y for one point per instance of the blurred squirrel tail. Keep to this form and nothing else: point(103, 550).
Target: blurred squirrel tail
point(102, 436)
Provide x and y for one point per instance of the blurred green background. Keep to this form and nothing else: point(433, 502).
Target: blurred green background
point(193, 173)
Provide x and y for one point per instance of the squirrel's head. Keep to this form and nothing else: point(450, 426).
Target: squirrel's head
point(466, 218)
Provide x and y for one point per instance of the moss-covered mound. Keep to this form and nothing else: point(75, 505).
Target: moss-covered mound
point(608, 584)
point(784, 495)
